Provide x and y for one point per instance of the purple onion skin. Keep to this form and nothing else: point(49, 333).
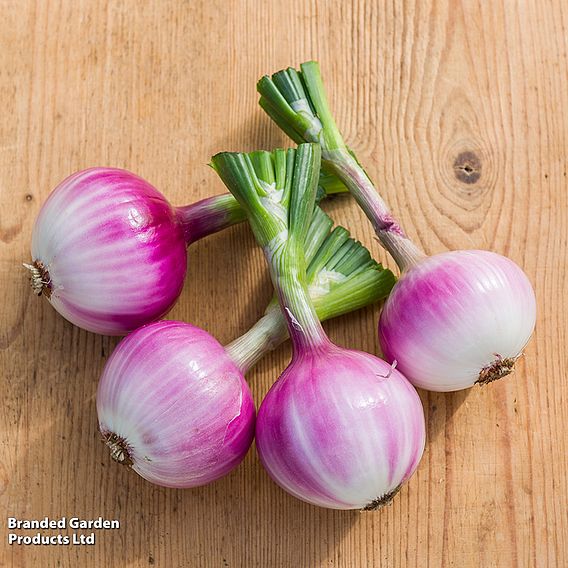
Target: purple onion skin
point(114, 249)
point(341, 429)
point(179, 406)
point(453, 315)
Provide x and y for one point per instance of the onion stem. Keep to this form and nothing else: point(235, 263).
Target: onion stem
point(265, 335)
point(342, 277)
point(278, 191)
point(213, 214)
point(297, 102)
point(209, 216)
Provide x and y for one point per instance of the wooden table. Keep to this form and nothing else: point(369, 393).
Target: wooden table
point(459, 112)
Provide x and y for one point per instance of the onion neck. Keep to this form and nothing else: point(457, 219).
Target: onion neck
point(359, 286)
point(296, 317)
point(389, 232)
point(288, 273)
point(219, 212)
point(264, 336)
point(209, 216)
point(278, 190)
point(298, 103)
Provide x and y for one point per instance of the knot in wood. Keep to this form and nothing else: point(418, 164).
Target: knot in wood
point(467, 167)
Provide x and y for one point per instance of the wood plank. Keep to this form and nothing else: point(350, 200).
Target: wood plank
point(158, 87)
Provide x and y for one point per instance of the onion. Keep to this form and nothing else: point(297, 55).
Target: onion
point(172, 402)
point(174, 406)
point(453, 320)
point(458, 318)
point(339, 428)
point(109, 251)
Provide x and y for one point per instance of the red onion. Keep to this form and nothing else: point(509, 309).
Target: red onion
point(109, 251)
point(174, 406)
point(339, 428)
point(172, 402)
point(458, 318)
point(454, 319)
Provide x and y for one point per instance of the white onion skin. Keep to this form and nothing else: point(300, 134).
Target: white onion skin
point(114, 249)
point(453, 315)
point(341, 429)
point(180, 405)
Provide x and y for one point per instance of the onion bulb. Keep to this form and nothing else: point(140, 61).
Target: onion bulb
point(341, 429)
point(109, 251)
point(174, 406)
point(458, 318)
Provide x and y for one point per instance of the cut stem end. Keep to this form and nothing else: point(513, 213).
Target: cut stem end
point(497, 370)
point(119, 448)
point(380, 502)
point(40, 279)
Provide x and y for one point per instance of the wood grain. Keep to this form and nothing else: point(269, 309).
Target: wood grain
point(457, 109)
